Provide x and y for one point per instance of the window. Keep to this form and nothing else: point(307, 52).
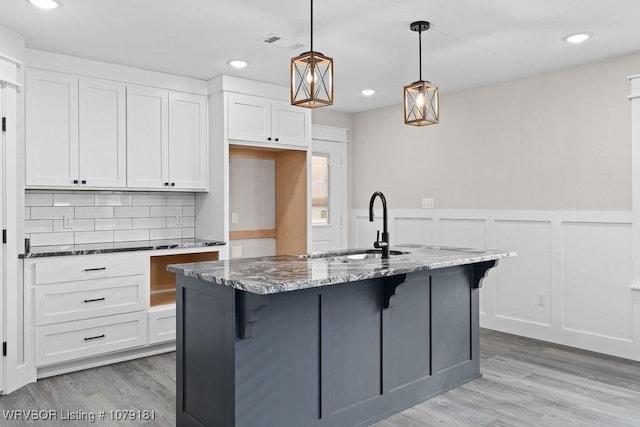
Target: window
point(320, 189)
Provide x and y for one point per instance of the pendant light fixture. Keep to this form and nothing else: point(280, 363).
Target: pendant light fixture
point(311, 77)
point(421, 98)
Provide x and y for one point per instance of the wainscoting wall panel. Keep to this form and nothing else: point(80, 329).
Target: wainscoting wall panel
point(527, 277)
point(571, 282)
point(466, 233)
point(413, 230)
point(597, 272)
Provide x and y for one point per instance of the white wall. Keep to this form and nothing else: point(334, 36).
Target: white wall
point(252, 198)
point(553, 141)
point(12, 44)
point(540, 165)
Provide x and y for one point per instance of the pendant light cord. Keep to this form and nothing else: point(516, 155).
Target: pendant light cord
point(311, 25)
point(419, 48)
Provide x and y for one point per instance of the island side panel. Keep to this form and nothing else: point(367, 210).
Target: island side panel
point(278, 368)
point(351, 351)
point(407, 334)
point(455, 327)
point(204, 353)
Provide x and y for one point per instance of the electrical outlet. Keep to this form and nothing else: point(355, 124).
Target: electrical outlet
point(428, 203)
point(234, 218)
point(67, 222)
point(179, 219)
point(236, 251)
point(541, 299)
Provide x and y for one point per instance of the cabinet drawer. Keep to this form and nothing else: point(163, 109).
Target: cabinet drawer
point(62, 302)
point(68, 341)
point(88, 267)
point(162, 325)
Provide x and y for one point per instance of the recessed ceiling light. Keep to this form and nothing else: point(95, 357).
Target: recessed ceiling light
point(238, 63)
point(577, 38)
point(367, 92)
point(44, 4)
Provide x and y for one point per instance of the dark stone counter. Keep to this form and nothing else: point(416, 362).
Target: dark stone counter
point(104, 248)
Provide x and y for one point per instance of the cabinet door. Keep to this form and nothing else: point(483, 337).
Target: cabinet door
point(162, 324)
point(102, 147)
point(51, 128)
point(187, 141)
point(249, 118)
point(291, 125)
point(147, 137)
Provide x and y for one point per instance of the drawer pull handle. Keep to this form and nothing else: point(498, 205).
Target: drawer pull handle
point(94, 338)
point(95, 299)
point(95, 269)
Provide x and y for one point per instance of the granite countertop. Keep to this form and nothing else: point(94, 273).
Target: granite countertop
point(103, 248)
point(268, 275)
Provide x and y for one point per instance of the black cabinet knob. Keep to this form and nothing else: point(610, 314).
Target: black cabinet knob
point(75, 181)
point(84, 181)
point(166, 184)
point(276, 139)
point(269, 139)
point(173, 184)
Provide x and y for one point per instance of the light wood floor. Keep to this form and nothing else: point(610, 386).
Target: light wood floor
point(525, 382)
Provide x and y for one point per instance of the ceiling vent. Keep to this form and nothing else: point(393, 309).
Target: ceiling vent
point(282, 42)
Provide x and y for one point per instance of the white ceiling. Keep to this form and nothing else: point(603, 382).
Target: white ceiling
point(471, 42)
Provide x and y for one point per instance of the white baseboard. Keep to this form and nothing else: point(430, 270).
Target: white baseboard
point(107, 359)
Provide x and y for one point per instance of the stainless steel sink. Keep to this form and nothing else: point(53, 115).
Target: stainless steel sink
point(349, 256)
point(456, 249)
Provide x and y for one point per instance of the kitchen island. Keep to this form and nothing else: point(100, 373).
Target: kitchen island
point(333, 339)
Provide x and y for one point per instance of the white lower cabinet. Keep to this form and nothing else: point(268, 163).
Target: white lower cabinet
point(88, 305)
point(64, 302)
point(86, 267)
point(90, 310)
point(73, 340)
point(162, 324)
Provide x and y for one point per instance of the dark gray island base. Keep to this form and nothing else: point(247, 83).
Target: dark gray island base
point(382, 337)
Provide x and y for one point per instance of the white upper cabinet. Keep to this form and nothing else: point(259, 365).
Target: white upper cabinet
point(52, 128)
point(147, 137)
point(101, 134)
point(256, 119)
point(75, 131)
point(166, 139)
point(249, 118)
point(187, 141)
point(291, 125)
point(102, 148)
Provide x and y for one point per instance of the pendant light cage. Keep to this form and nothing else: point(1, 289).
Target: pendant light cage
point(311, 77)
point(421, 104)
point(311, 80)
point(421, 101)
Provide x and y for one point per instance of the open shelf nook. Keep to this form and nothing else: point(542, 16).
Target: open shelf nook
point(163, 283)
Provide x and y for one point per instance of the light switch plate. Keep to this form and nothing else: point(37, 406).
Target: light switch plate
point(428, 203)
point(67, 222)
point(234, 218)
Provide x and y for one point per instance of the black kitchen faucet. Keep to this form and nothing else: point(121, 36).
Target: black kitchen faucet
point(384, 243)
